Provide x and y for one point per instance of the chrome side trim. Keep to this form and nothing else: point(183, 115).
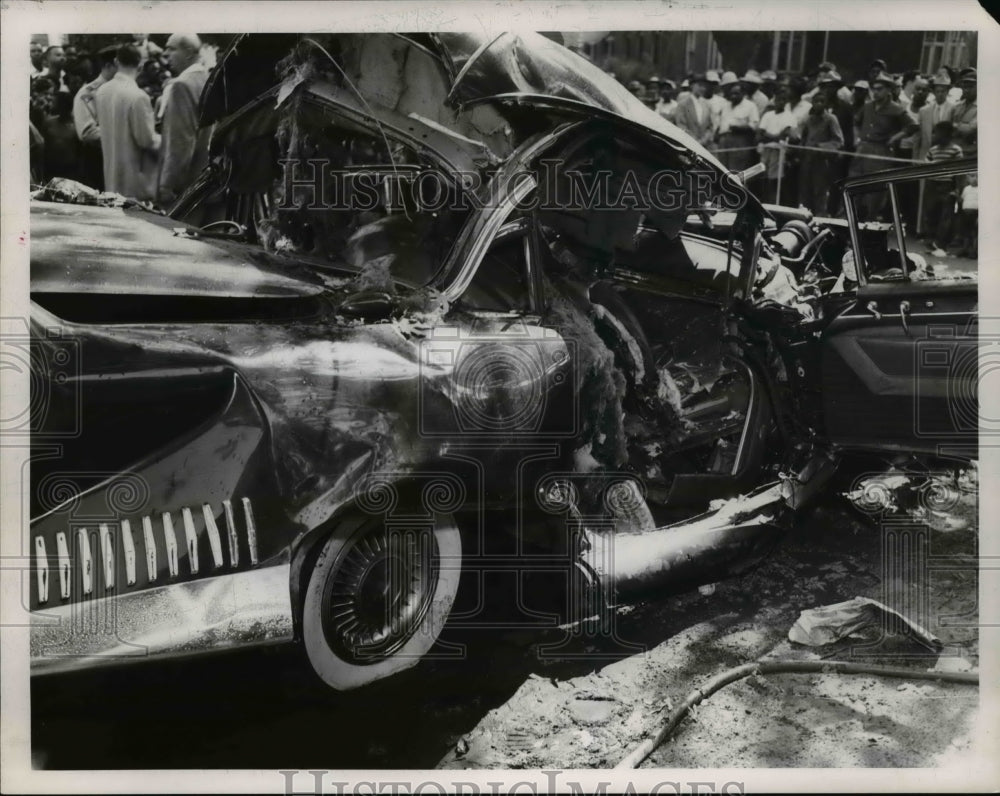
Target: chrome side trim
point(177, 619)
point(234, 549)
point(107, 556)
point(150, 542)
point(214, 541)
point(191, 537)
point(41, 569)
point(251, 531)
point(170, 538)
point(64, 575)
point(86, 561)
point(128, 544)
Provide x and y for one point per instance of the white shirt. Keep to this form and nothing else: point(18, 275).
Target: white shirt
point(940, 111)
point(715, 105)
point(743, 114)
point(700, 108)
point(666, 109)
point(970, 197)
point(801, 110)
point(773, 121)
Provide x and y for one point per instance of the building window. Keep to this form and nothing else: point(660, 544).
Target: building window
point(788, 50)
point(714, 54)
point(944, 48)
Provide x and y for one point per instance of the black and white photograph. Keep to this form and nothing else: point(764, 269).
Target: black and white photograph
point(498, 398)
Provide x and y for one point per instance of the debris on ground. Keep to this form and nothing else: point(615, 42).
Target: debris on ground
point(661, 649)
point(60, 189)
point(827, 624)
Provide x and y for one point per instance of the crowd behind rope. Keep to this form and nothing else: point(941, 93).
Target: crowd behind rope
point(122, 119)
point(809, 131)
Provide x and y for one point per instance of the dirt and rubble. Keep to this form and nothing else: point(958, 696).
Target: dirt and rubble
point(506, 702)
point(594, 719)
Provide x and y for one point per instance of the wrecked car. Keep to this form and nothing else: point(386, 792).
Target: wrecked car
point(444, 305)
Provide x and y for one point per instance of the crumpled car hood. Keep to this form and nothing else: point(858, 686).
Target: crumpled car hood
point(478, 68)
point(531, 64)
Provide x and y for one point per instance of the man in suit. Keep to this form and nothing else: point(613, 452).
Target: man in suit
point(751, 88)
point(966, 114)
point(85, 120)
point(693, 115)
point(129, 141)
point(185, 147)
point(939, 109)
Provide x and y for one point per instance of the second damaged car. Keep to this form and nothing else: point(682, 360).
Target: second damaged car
point(446, 305)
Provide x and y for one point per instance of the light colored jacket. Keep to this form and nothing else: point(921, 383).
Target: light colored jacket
point(85, 112)
point(129, 141)
point(185, 147)
point(686, 117)
point(929, 115)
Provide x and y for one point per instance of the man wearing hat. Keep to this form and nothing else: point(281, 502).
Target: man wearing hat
point(666, 106)
point(716, 96)
point(797, 102)
point(955, 94)
point(825, 70)
point(738, 124)
point(878, 67)
point(908, 192)
point(777, 125)
point(920, 88)
point(685, 89)
point(769, 83)
point(821, 131)
point(693, 115)
point(881, 123)
point(751, 87)
point(938, 109)
point(652, 94)
point(85, 121)
point(830, 85)
point(965, 115)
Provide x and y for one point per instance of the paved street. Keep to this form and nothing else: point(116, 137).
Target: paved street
point(503, 705)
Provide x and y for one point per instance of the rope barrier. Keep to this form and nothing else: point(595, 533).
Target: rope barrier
point(783, 145)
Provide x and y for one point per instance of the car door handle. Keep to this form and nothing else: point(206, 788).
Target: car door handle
point(904, 311)
point(872, 307)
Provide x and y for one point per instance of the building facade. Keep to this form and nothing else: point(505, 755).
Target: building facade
point(675, 54)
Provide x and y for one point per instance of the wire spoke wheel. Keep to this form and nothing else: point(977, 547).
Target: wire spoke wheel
point(378, 597)
point(379, 592)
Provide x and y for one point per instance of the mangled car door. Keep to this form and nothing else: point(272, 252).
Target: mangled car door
point(900, 364)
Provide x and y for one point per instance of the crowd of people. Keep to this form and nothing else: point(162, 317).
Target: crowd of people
point(812, 130)
point(122, 119)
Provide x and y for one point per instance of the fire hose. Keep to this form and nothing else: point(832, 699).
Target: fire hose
point(647, 747)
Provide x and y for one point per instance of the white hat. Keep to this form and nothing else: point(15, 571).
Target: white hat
point(712, 76)
point(728, 78)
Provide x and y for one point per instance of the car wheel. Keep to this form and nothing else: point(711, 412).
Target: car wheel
point(378, 597)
